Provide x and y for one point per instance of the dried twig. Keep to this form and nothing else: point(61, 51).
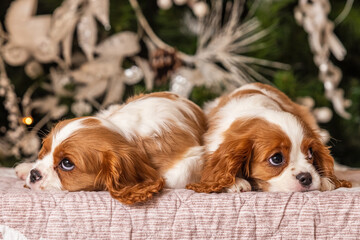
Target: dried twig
point(228, 40)
point(345, 12)
point(151, 34)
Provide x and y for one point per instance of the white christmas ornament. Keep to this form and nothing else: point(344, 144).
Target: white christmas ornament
point(164, 4)
point(200, 9)
point(184, 80)
point(180, 85)
point(133, 75)
point(323, 114)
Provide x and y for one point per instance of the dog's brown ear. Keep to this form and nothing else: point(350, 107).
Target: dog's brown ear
point(324, 164)
point(128, 176)
point(222, 166)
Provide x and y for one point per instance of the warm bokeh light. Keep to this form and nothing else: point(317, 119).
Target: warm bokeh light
point(27, 120)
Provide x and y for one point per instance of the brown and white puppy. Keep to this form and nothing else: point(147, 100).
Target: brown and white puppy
point(258, 139)
point(132, 150)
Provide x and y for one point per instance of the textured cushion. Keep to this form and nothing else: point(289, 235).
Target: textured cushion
point(176, 214)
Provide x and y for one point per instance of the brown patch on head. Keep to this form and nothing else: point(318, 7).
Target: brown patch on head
point(83, 148)
point(47, 141)
point(226, 98)
point(302, 113)
point(267, 140)
point(167, 95)
point(247, 146)
point(213, 114)
point(63, 123)
point(104, 160)
point(91, 122)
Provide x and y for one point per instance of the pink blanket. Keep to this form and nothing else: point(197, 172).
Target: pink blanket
point(176, 214)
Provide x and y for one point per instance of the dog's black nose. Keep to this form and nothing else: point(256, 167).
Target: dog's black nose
point(35, 175)
point(305, 179)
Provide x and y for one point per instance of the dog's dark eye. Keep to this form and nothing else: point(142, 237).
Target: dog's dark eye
point(276, 159)
point(66, 165)
point(309, 154)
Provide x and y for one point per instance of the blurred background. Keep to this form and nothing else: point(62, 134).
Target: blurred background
point(62, 59)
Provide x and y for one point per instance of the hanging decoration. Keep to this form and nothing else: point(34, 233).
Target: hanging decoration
point(312, 15)
point(199, 8)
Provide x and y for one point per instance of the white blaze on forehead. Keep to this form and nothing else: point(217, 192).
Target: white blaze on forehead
point(288, 124)
point(65, 132)
point(271, 94)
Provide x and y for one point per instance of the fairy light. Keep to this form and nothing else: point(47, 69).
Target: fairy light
point(27, 120)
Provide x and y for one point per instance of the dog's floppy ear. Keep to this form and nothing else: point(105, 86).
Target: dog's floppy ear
point(128, 176)
point(324, 164)
point(222, 166)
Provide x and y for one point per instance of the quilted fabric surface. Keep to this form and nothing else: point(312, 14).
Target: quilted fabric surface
point(177, 214)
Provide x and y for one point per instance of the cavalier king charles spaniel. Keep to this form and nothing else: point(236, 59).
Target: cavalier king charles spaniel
point(258, 139)
point(131, 150)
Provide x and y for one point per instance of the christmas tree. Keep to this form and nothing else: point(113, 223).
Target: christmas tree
point(62, 59)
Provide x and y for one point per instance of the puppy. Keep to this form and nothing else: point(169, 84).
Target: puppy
point(131, 150)
point(258, 139)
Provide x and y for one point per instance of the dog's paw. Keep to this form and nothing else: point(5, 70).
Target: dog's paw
point(326, 184)
point(23, 169)
point(241, 185)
